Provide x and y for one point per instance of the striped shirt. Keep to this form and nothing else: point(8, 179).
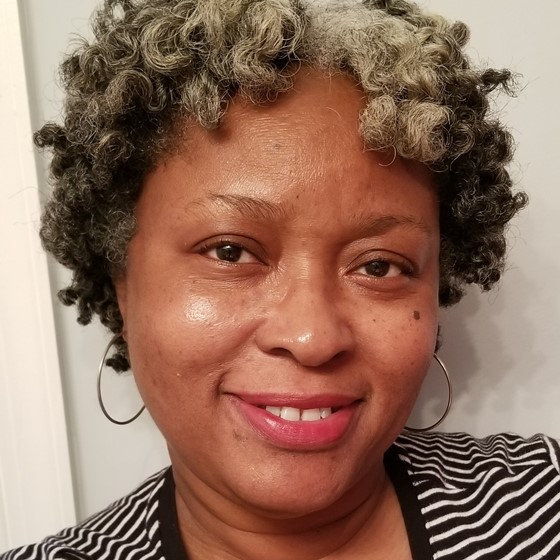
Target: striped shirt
point(462, 498)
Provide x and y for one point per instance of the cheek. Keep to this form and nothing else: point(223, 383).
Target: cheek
point(398, 348)
point(182, 341)
point(418, 339)
point(412, 356)
point(408, 326)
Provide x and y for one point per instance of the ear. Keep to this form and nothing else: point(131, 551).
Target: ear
point(120, 289)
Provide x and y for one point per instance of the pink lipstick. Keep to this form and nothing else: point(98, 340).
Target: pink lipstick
point(298, 422)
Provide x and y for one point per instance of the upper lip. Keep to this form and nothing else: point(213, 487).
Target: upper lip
point(327, 400)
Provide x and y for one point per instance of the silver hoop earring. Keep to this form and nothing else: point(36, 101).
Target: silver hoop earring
point(449, 400)
point(100, 397)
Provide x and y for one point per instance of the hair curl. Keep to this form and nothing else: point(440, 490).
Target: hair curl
point(154, 63)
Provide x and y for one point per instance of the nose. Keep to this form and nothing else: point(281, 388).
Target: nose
point(308, 323)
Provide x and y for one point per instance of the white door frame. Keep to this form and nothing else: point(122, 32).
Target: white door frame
point(36, 494)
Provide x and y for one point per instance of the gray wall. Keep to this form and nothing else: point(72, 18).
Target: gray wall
point(502, 348)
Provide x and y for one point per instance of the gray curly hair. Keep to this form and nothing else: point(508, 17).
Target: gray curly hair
point(155, 63)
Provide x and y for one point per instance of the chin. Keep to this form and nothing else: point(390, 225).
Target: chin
point(292, 503)
point(301, 488)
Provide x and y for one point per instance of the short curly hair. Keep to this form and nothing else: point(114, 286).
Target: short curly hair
point(155, 63)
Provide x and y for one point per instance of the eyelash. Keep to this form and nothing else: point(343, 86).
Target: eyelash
point(205, 247)
point(405, 268)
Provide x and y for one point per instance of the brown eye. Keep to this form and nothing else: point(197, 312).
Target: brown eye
point(229, 253)
point(381, 268)
point(378, 268)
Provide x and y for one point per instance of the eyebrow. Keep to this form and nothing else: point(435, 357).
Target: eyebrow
point(254, 208)
point(385, 223)
point(258, 209)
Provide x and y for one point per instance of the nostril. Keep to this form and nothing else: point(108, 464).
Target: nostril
point(339, 355)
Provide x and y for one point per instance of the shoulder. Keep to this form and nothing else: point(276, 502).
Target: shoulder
point(494, 497)
point(461, 457)
point(124, 530)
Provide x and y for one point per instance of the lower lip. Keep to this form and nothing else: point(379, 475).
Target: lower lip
point(315, 434)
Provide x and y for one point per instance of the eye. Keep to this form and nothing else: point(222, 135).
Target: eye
point(228, 252)
point(381, 268)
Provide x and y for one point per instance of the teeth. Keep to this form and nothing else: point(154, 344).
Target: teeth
point(289, 413)
point(276, 410)
point(295, 414)
point(311, 414)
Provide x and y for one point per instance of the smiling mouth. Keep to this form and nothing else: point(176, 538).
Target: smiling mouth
point(292, 414)
point(299, 423)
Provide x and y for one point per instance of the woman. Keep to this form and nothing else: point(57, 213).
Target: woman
point(266, 202)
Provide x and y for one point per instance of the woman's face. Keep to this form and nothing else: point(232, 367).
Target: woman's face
point(279, 268)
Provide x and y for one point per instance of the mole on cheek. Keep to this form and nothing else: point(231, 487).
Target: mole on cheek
point(416, 315)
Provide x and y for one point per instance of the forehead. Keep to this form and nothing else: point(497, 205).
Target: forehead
point(315, 94)
point(301, 151)
point(320, 115)
point(317, 110)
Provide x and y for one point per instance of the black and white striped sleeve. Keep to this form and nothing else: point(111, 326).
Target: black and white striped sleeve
point(489, 499)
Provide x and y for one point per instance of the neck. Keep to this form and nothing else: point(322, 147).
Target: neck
point(366, 518)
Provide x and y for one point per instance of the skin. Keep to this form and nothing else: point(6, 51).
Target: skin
point(291, 185)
